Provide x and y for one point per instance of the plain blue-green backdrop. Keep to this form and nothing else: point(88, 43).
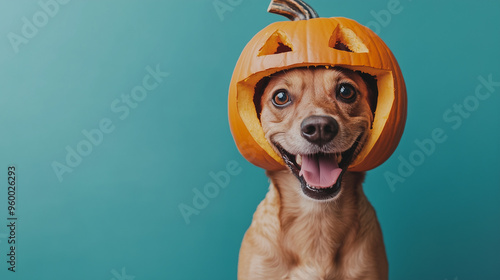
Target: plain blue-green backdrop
point(116, 214)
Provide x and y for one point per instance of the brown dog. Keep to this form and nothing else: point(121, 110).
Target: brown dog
point(315, 222)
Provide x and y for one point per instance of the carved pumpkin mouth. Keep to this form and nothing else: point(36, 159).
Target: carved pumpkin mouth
point(320, 174)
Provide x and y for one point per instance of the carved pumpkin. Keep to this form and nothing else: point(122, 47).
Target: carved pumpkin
point(312, 41)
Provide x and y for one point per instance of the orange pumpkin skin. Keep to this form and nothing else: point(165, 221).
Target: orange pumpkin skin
point(311, 43)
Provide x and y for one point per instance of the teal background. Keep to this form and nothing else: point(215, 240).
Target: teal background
point(116, 215)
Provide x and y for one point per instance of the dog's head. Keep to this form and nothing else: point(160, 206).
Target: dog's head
point(317, 119)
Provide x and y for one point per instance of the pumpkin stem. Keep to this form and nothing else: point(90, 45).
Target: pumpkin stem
point(292, 9)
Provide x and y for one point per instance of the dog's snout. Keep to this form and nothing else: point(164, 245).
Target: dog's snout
point(319, 130)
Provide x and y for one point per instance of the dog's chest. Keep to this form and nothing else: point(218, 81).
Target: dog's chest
point(314, 247)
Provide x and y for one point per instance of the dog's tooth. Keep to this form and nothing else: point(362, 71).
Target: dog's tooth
point(298, 159)
point(339, 157)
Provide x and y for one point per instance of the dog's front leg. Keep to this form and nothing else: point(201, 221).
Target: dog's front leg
point(260, 257)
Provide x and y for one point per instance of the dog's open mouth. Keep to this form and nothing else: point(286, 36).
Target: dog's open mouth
point(320, 174)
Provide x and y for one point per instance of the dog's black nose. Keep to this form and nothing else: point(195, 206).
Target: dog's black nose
point(319, 129)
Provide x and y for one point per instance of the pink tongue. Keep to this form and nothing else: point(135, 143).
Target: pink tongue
point(320, 171)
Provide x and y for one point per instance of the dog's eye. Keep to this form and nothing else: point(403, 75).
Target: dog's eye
point(281, 98)
point(346, 92)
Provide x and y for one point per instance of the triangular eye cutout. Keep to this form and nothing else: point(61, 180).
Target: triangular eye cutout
point(276, 43)
point(344, 39)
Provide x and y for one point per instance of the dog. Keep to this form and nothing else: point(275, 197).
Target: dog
point(315, 222)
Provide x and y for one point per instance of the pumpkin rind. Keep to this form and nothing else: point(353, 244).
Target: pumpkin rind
point(310, 43)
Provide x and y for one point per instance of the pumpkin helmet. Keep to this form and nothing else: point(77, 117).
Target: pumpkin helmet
point(310, 41)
